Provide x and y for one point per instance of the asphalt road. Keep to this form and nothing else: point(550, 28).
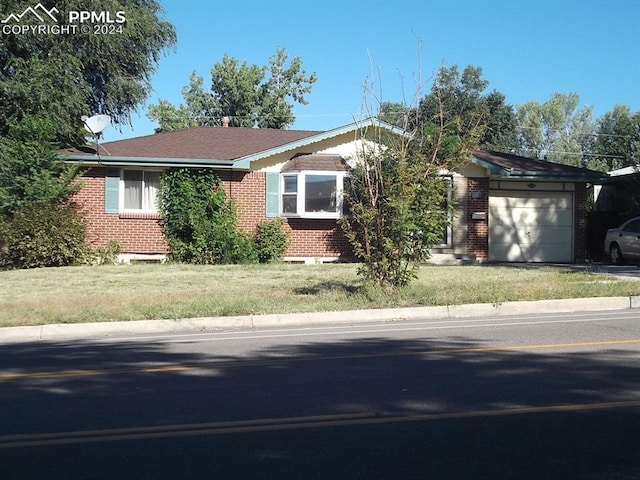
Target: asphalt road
point(527, 397)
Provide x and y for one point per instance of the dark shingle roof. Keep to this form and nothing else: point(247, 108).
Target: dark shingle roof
point(215, 143)
point(316, 161)
point(509, 165)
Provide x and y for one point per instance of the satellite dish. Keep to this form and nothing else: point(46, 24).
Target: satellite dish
point(96, 123)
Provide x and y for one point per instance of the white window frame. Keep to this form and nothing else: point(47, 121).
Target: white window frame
point(145, 207)
point(301, 194)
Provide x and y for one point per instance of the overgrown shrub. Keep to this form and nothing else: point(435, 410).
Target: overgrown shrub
point(396, 214)
point(271, 240)
point(199, 224)
point(38, 235)
point(108, 253)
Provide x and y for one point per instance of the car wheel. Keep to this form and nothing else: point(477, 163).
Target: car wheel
point(615, 254)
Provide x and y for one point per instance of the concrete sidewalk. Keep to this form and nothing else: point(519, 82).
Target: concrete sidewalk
point(100, 330)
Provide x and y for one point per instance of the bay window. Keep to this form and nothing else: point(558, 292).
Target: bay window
point(309, 185)
point(312, 194)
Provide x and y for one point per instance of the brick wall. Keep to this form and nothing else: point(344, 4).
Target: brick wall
point(477, 199)
point(137, 233)
point(247, 191)
point(141, 233)
point(308, 237)
point(316, 238)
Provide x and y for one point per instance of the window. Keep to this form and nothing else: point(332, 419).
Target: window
point(633, 227)
point(320, 193)
point(312, 194)
point(290, 194)
point(139, 190)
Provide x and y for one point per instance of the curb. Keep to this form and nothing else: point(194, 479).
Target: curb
point(93, 331)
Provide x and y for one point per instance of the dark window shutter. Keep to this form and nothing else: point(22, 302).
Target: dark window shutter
point(272, 195)
point(111, 190)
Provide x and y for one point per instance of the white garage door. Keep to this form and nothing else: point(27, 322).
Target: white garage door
point(530, 226)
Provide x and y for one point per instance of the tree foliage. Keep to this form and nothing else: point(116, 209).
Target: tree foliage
point(30, 170)
point(556, 130)
point(500, 133)
point(47, 82)
point(62, 77)
point(271, 240)
point(397, 211)
point(199, 224)
point(462, 106)
point(617, 140)
point(249, 95)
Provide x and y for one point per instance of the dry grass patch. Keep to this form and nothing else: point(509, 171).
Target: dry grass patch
point(134, 292)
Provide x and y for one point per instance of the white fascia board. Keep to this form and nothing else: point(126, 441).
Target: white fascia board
point(245, 162)
point(118, 161)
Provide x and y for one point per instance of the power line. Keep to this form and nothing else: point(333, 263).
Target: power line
point(363, 115)
point(583, 134)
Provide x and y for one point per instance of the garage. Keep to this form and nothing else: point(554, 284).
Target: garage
point(531, 226)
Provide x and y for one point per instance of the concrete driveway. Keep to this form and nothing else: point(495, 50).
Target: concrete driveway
point(624, 271)
point(629, 272)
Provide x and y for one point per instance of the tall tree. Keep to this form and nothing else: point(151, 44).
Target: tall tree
point(49, 79)
point(462, 106)
point(65, 76)
point(500, 133)
point(249, 95)
point(556, 130)
point(617, 140)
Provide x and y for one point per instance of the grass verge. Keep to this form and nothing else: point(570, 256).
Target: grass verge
point(136, 292)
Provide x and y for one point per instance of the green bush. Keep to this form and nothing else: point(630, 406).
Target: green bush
point(199, 224)
point(38, 235)
point(241, 249)
point(271, 240)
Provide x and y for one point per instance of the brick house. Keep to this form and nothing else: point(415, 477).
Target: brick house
point(510, 208)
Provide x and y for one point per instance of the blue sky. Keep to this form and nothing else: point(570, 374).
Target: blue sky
point(527, 49)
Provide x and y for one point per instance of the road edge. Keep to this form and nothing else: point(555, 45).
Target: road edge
point(99, 330)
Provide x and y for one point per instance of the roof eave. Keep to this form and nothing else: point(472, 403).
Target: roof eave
point(535, 175)
point(497, 171)
point(629, 177)
point(152, 162)
point(538, 176)
point(492, 167)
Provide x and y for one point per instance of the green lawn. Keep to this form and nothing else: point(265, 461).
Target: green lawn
point(134, 292)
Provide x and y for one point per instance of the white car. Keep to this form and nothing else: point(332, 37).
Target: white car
point(623, 243)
